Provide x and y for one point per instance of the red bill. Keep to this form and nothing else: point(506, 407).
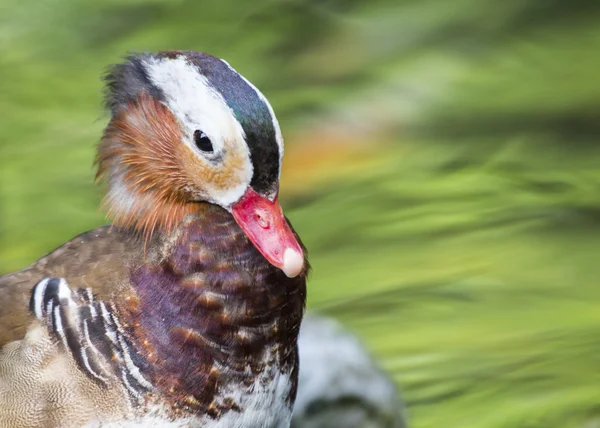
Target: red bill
point(264, 224)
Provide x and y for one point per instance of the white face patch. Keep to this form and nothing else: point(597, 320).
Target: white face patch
point(197, 106)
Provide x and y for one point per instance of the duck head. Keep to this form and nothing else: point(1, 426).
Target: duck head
point(186, 128)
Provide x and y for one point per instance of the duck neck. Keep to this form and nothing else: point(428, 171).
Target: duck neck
point(213, 312)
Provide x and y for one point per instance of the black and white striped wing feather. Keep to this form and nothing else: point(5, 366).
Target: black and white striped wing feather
point(90, 331)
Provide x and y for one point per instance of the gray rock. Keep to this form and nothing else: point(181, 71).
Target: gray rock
point(340, 385)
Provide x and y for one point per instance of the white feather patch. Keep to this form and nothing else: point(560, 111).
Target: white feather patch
point(38, 297)
point(263, 403)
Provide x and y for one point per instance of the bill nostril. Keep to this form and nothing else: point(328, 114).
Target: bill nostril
point(262, 221)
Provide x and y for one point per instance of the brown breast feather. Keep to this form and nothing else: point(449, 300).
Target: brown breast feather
point(211, 310)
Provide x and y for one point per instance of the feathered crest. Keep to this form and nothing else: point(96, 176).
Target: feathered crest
point(127, 81)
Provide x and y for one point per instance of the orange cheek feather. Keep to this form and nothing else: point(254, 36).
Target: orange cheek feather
point(141, 145)
point(164, 177)
point(221, 177)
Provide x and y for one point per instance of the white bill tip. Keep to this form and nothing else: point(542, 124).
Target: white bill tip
point(293, 262)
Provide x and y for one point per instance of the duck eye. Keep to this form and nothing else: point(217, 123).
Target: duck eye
point(202, 141)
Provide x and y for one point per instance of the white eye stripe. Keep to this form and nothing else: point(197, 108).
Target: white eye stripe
point(195, 104)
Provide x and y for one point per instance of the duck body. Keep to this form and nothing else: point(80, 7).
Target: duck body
point(204, 324)
point(185, 312)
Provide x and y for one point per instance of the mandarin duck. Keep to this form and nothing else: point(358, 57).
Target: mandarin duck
point(184, 312)
point(340, 384)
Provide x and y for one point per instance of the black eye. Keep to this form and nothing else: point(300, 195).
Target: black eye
point(202, 141)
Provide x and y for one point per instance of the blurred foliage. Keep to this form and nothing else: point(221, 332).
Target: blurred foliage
point(442, 162)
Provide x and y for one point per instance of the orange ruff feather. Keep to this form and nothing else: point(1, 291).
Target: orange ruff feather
point(141, 146)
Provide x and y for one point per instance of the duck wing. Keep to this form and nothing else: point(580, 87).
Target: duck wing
point(97, 259)
point(64, 358)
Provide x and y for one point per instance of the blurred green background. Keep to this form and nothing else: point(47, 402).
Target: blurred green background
point(442, 166)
